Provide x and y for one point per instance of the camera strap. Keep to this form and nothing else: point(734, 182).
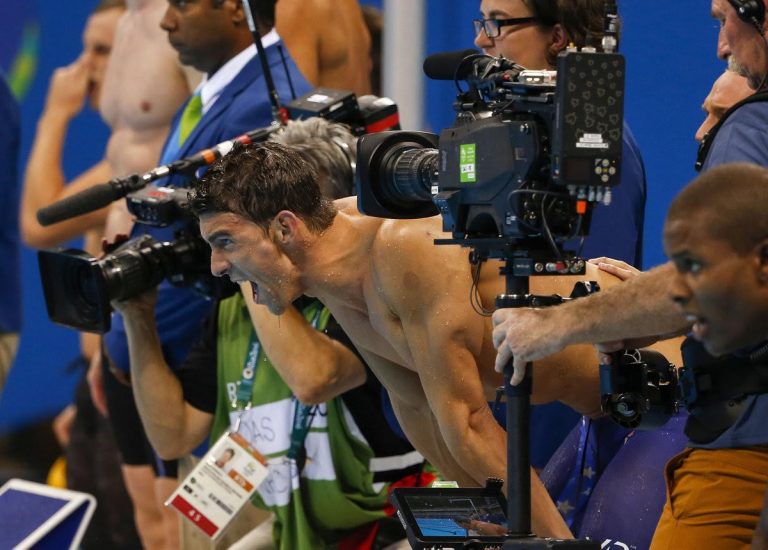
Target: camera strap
point(709, 137)
point(705, 379)
point(714, 389)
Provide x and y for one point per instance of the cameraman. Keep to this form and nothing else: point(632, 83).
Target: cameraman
point(211, 36)
point(612, 455)
point(641, 307)
point(532, 33)
point(716, 235)
point(351, 454)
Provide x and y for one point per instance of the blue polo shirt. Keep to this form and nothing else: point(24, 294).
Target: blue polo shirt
point(743, 138)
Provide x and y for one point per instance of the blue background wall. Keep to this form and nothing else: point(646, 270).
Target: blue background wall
point(38, 385)
point(670, 51)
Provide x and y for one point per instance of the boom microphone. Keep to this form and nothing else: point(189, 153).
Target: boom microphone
point(81, 203)
point(103, 194)
point(471, 66)
point(206, 157)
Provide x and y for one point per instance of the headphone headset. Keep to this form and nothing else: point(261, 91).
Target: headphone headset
point(750, 11)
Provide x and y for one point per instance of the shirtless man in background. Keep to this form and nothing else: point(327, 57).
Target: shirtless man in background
point(137, 88)
point(70, 88)
point(144, 86)
point(44, 178)
point(329, 41)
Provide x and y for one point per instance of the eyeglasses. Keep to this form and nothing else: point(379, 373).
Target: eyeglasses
point(492, 27)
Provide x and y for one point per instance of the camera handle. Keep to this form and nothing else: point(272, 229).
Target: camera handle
point(518, 425)
point(518, 435)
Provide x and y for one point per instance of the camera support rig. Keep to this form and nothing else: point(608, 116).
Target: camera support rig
point(522, 260)
point(529, 156)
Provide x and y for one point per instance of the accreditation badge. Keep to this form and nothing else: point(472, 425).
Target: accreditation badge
point(220, 485)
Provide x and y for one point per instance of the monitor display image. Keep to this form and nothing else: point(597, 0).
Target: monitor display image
point(457, 516)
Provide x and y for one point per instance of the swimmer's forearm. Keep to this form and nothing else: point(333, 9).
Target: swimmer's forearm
point(491, 448)
point(316, 367)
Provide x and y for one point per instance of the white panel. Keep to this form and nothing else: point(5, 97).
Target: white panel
point(403, 55)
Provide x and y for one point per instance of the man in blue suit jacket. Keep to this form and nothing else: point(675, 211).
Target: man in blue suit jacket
point(213, 37)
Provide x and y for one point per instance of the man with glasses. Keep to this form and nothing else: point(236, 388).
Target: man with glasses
point(532, 33)
point(524, 49)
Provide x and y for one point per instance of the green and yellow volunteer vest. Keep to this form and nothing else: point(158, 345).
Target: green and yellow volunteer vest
point(335, 493)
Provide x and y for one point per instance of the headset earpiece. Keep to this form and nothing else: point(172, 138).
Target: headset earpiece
point(750, 11)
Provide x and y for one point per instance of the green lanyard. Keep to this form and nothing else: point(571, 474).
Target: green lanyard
point(242, 400)
point(303, 415)
point(302, 419)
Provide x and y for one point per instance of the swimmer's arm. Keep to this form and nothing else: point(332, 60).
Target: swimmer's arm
point(431, 288)
point(45, 183)
point(452, 385)
point(316, 367)
point(415, 416)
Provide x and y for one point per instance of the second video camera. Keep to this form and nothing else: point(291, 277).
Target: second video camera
point(528, 157)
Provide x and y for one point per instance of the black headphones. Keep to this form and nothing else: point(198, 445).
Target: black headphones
point(750, 11)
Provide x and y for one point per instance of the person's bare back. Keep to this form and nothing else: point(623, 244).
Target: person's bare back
point(407, 276)
point(329, 41)
point(405, 303)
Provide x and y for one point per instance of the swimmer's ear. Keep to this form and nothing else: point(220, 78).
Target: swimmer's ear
point(284, 227)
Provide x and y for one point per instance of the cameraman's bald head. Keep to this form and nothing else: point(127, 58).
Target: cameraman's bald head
point(727, 203)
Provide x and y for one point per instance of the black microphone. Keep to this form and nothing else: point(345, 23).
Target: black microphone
point(91, 199)
point(443, 65)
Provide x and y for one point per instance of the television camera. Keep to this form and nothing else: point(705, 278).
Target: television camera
point(78, 287)
point(531, 153)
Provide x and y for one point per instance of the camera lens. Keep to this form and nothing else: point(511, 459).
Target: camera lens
point(412, 171)
point(131, 272)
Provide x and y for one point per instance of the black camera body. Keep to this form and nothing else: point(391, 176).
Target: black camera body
point(78, 288)
point(527, 158)
point(364, 115)
point(160, 206)
point(639, 389)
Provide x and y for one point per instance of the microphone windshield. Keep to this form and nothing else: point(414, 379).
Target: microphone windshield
point(442, 66)
point(81, 203)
